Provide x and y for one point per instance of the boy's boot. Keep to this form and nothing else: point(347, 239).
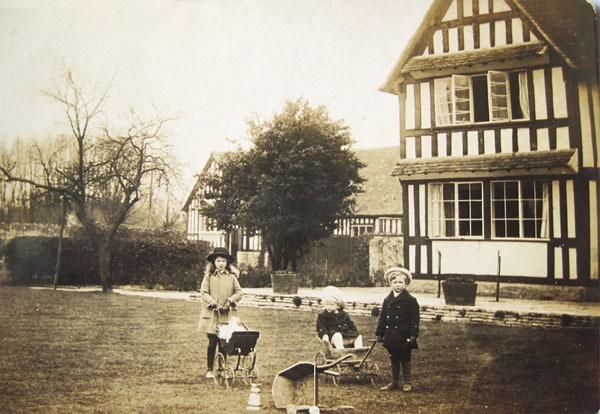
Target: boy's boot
point(395, 375)
point(407, 375)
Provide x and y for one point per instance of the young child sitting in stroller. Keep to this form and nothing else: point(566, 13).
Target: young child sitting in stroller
point(334, 325)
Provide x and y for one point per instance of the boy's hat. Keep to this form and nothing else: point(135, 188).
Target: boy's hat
point(220, 251)
point(333, 294)
point(401, 270)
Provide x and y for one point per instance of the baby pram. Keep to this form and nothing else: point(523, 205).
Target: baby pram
point(235, 340)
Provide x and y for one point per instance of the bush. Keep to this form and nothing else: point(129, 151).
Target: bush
point(255, 277)
point(30, 260)
point(147, 258)
point(339, 261)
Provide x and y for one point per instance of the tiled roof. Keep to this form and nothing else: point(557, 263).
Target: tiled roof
point(522, 161)
point(382, 192)
point(468, 58)
point(568, 25)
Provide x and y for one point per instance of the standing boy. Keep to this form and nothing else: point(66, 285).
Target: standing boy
point(398, 326)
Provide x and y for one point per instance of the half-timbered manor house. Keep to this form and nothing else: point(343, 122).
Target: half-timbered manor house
point(499, 141)
point(378, 208)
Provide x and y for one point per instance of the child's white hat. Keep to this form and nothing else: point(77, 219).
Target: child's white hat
point(333, 294)
point(400, 270)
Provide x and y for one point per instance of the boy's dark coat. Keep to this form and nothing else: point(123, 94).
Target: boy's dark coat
point(399, 321)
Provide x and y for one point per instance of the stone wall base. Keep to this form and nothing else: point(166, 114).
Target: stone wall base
point(456, 314)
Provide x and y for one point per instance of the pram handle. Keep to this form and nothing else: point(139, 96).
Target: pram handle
point(231, 309)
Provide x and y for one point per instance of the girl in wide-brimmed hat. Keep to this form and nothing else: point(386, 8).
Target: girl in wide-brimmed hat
point(220, 291)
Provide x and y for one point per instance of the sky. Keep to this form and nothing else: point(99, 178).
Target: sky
point(211, 63)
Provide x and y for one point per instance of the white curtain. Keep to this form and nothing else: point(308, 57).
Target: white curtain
point(545, 211)
point(443, 100)
point(523, 96)
point(436, 210)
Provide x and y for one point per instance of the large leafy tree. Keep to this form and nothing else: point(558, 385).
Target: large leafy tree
point(104, 168)
point(291, 185)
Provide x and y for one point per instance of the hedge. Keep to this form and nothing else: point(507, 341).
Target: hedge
point(147, 258)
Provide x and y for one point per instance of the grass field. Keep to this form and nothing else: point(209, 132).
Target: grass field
point(75, 352)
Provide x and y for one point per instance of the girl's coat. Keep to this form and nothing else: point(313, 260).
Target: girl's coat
point(399, 321)
point(215, 290)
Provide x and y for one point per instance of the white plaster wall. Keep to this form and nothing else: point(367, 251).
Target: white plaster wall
point(481, 257)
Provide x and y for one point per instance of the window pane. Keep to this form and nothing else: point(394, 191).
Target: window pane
point(449, 210)
point(498, 191)
point(527, 189)
point(512, 228)
point(528, 207)
point(499, 228)
point(515, 95)
point(462, 96)
point(464, 228)
point(498, 209)
point(481, 109)
point(463, 209)
point(476, 190)
point(463, 192)
point(529, 228)
point(443, 101)
point(476, 208)
point(498, 95)
point(449, 192)
point(450, 228)
point(512, 209)
point(512, 190)
point(476, 228)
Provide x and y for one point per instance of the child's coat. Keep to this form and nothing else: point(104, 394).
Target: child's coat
point(399, 321)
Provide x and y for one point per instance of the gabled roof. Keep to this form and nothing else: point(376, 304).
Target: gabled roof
point(568, 26)
point(534, 162)
point(213, 158)
point(381, 192)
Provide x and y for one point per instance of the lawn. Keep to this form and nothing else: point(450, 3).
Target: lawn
point(77, 352)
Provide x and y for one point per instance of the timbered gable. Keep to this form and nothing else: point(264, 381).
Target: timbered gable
point(500, 139)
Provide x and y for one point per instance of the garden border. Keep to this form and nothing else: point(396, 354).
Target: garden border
point(459, 314)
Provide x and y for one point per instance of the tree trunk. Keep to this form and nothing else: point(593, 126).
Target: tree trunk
point(63, 222)
point(104, 266)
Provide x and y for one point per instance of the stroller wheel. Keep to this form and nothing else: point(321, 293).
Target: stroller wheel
point(248, 366)
point(336, 378)
point(373, 373)
point(219, 369)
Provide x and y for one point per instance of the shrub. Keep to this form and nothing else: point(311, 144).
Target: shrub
point(255, 277)
point(29, 259)
point(339, 261)
point(139, 257)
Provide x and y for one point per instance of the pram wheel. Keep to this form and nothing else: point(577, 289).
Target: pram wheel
point(373, 370)
point(223, 374)
point(249, 368)
point(336, 378)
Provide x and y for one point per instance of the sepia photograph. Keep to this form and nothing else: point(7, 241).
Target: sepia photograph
point(276, 206)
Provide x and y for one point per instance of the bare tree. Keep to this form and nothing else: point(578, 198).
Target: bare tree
point(108, 171)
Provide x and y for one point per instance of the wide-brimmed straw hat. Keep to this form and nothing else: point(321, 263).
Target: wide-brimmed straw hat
point(401, 270)
point(220, 251)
